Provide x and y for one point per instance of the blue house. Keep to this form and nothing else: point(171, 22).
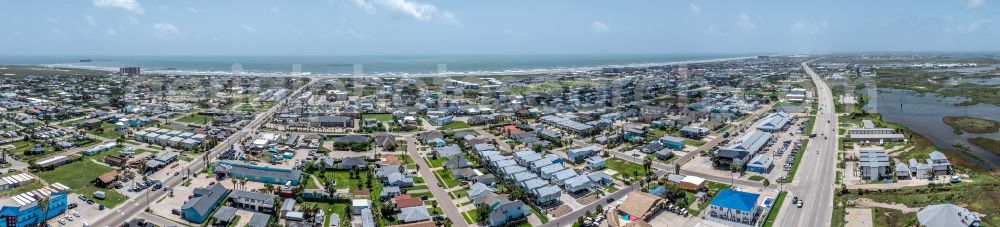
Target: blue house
point(676, 143)
point(577, 155)
point(595, 162)
point(731, 206)
point(23, 210)
point(258, 173)
point(202, 202)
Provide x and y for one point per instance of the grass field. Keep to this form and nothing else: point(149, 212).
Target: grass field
point(696, 143)
point(438, 162)
point(624, 167)
point(378, 117)
point(454, 125)
point(108, 131)
point(78, 177)
point(446, 178)
point(196, 118)
point(756, 178)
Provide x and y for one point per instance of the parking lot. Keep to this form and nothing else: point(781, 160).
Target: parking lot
point(782, 147)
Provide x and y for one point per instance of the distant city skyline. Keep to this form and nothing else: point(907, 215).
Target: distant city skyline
point(425, 27)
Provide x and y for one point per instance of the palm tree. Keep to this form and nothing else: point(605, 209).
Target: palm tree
point(43, 203)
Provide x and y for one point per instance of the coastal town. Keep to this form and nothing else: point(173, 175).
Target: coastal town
point(756, 141)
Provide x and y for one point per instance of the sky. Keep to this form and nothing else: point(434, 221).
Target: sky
point(487, 27)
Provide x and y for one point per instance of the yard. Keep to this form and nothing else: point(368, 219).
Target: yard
point(446, 179)
point(196, 118)
point(624, 168)
point(436, 162)
point(78, 177)
point(107, 130)
point(455, 125)
point(696, 143)
point(384, 118)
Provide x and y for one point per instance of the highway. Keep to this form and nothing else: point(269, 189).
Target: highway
point(814, 180)
point(125, 211)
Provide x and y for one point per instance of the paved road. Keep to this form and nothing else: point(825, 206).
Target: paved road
point(569, 219)
point(814, 180)
point(444, 201)
point(125, 211)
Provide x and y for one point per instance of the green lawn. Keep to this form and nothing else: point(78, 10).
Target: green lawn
point(775, 207)
point(623, 167)
point(196, 118)
point(455, 125)
point(756, 178)
point(385, 118)
point(696, 143)
point(438, 162)
point(459, 193)
point(343, 179)
point(78, 177)
point(446, 179)
point(795, 164)
point(469, 216)
point(107, 131)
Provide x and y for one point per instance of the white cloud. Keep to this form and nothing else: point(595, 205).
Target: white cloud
point(193, 10)
point(409, 9)
point(111, 32)
point(512, 33)
point(973, 4)
point(364, 5)
point(248, 28)
point(130, 5)
point(275, 9)
point(807, 27)
point(975, 26)
point(165, 30)
point(711, 31)
point(90, 20)
point(133, 20)
point(745, 23)
point(350, 33)
point(52, 20)
point(598, 26)
point(695, 8)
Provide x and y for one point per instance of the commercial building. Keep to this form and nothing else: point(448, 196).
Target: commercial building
point(203, 200)
point(23, 209)
point(869, 133)
point(774, 122)
point(261, 174)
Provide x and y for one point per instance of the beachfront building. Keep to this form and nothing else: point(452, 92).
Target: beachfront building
point(23, 209)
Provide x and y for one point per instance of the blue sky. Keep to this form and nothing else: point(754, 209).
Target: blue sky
point(390, 27)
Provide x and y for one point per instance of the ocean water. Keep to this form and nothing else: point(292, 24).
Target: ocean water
point(410, 65)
